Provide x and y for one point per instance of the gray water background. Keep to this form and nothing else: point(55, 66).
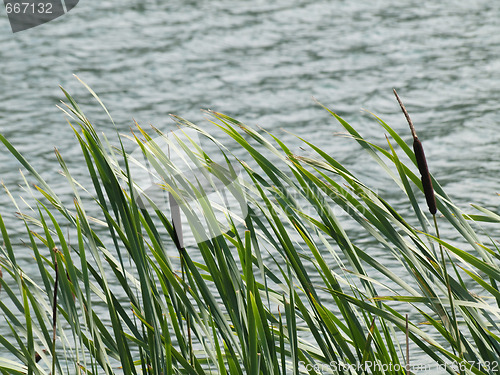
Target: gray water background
point(262, 63)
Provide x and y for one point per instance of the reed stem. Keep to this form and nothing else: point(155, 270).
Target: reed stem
point(54, 315)
point(407, 347)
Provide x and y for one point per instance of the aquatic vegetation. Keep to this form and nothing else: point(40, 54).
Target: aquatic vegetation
point(274, 283)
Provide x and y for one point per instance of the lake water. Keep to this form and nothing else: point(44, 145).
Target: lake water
point(263, 62)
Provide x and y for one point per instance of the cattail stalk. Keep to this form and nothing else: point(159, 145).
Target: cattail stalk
point(425, 177)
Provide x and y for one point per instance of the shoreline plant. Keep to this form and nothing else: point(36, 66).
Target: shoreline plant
point(283, 289)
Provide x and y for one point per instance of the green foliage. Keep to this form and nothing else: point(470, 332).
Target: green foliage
point(281, 290)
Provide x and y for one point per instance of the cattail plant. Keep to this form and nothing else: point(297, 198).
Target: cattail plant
point(425, 177)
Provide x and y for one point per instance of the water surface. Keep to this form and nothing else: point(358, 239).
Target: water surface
point(263, 62)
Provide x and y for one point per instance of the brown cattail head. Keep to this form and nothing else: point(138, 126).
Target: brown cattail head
point(425, 176)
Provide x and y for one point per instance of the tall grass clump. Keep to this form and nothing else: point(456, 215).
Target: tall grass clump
point(278, 284)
